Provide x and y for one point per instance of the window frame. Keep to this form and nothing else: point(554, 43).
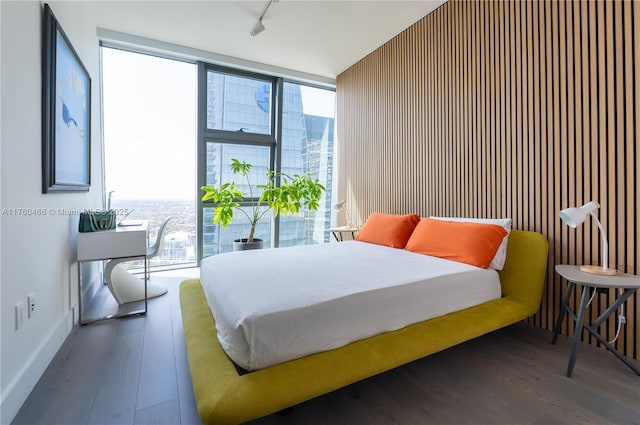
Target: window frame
point(206, 135)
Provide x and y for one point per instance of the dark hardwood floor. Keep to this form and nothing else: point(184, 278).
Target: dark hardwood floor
point(134, 371)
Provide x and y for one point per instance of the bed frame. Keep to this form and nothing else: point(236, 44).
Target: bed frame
point(225, 397)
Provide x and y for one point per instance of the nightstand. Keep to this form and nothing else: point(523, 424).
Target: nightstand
point(338, 232)
point(590, 283)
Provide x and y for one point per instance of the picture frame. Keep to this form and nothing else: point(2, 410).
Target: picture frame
point(66, 113)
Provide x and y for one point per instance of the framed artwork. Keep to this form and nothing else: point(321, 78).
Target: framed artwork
point(66, 113)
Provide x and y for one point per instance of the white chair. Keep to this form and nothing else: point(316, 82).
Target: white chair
point(126, 287)
point(157, 246)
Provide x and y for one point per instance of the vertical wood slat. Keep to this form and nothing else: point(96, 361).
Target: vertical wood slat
point(505, 108)
point(634, 245)
point(545, 193)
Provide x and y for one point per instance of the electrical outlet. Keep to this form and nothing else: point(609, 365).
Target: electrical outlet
point(19, 315)
point(31, 304)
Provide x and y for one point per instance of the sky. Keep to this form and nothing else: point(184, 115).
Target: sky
point(318, 101)
point(149, 126)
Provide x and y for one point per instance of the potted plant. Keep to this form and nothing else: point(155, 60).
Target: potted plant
point(286, 198)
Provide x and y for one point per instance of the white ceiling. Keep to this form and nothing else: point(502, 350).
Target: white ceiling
point(317, 37)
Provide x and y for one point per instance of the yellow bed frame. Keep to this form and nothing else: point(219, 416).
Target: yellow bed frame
point(225, 397)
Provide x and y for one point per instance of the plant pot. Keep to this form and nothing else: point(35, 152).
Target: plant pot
point(243, 245)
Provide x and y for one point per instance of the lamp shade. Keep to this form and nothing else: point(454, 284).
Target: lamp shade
point(573, 217)
point(340, 205)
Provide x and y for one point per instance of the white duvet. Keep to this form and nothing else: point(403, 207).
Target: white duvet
point(275, 305)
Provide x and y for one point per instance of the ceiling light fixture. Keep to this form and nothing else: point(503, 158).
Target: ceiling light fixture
point(259, 26)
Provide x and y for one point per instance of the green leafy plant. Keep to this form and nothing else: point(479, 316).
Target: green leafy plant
point(288, 197)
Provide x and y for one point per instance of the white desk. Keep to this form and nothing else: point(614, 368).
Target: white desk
point(122, 242)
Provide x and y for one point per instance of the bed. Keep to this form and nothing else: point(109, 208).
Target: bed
point(224, 396)
point(302, 300)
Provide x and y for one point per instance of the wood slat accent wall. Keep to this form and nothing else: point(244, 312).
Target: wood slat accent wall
point(505, 109)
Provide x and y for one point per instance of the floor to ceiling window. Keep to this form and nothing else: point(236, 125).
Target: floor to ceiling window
point(149, 107)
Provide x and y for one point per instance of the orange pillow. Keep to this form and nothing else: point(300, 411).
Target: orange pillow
point(388, 229)
point(465, 242)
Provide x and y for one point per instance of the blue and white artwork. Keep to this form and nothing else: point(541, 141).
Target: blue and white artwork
point(71, 118)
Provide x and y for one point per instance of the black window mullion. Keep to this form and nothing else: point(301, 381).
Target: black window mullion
point(276, 151)
point(201, 161)
point(238, 138)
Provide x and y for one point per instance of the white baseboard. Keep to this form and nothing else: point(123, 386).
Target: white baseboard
point(19, 389)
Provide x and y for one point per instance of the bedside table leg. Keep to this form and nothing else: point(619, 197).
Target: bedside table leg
point(593, 329)
point(586, 295)
point(563, 312)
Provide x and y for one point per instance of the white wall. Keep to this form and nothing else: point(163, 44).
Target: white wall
point(37, 252)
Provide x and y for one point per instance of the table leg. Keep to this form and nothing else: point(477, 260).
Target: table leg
point(85, 321)
point(563, 312)
point(613, 307)
point(146, 283)
point(613, 351)
point(80, 293)
point(586, 295)
point(593, 329)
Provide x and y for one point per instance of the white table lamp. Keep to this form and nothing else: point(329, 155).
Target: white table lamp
point(342, 205)
point(573, 217)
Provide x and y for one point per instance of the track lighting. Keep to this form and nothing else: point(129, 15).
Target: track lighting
point(259, 26)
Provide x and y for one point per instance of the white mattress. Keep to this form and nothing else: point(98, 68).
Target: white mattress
point(275, 305)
